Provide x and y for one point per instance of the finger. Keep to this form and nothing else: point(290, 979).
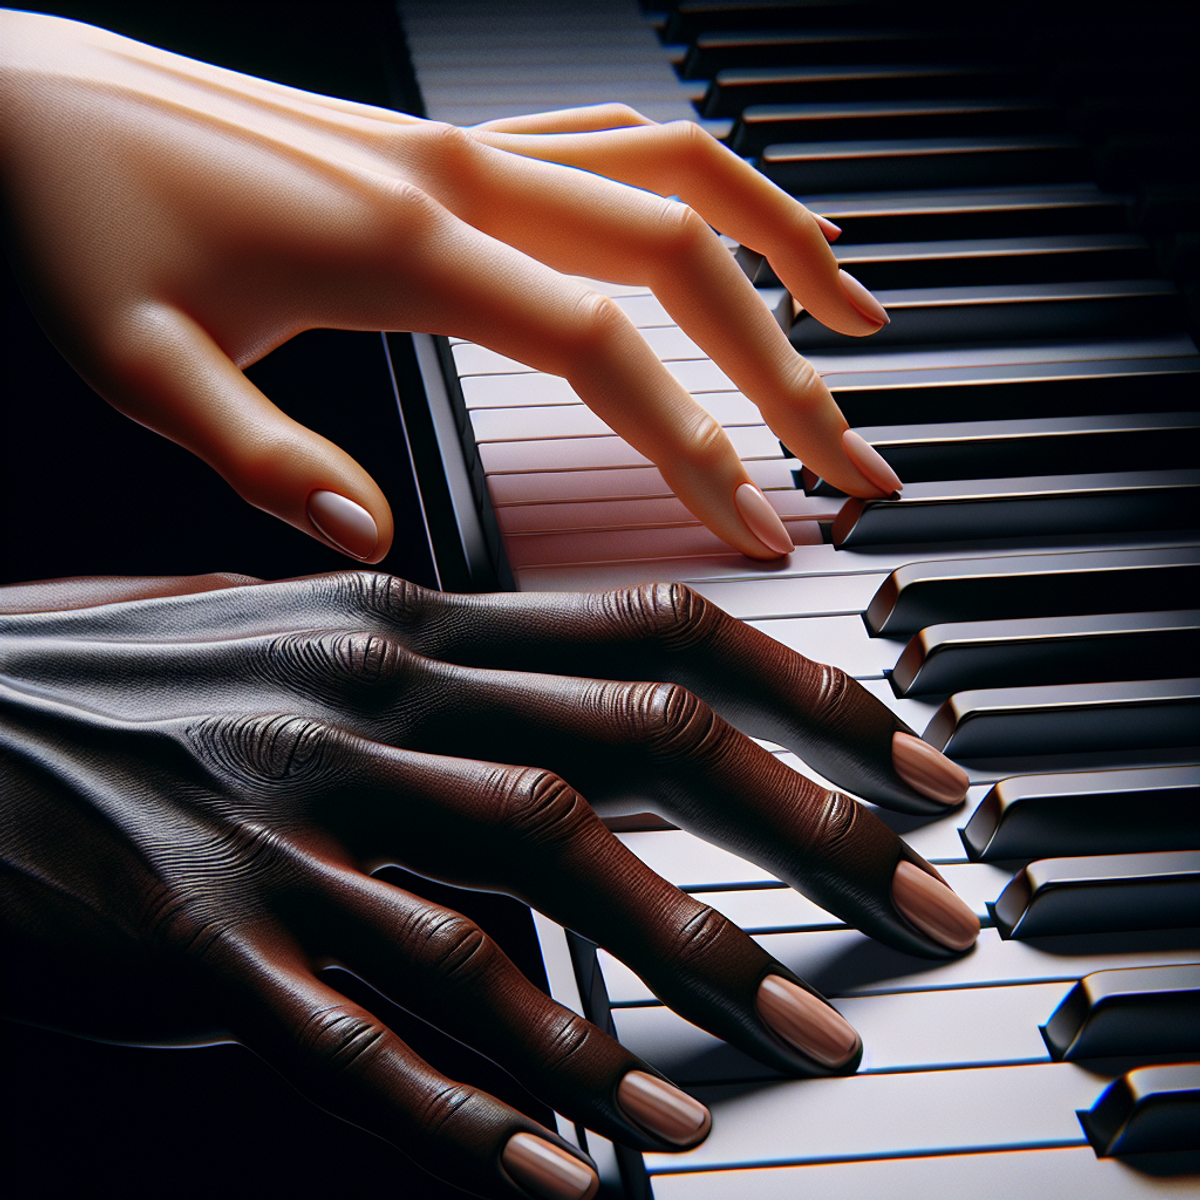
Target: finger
point(583, 224)
point(163, 370)
point(525, 832)
point(443, 967)
point(658, 744)
point(569, 120)
point(680, 159)
point(351, 1064)
point(672, 633)
point(455, 279)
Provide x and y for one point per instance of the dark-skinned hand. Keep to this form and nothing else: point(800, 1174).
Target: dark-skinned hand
point(199, 776)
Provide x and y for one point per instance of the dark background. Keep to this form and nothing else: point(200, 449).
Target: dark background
point(85, 492)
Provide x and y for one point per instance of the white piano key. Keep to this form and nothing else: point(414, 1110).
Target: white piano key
point(532, 422)
point(1073, 1172)
point(645, 311)
point(779, 909)
point(700, 375)
point(615, 483)
point(516, 390)
point(872, 1116)
point(637, 514)
point(584, 453)
point(918, 1031)
point(815, 596)
point(845, 962)
point(841, 641)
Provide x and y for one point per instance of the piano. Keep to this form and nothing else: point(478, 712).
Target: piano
point(1030, 601)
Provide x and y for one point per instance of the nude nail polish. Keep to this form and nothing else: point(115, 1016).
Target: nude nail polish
point(831, 231)
point(348, 525)
point(806, 1022)
point(928, 771)
point(761, 519)
point(933, 908)
point(871, 463)
point(547, 1171)
point(863, 301)
point(662, 1109)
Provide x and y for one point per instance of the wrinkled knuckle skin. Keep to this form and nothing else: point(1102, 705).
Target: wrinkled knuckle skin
point(336, 667)
point(670, 722)
point(669, 614)
point(695, 939)
point(539, 808)
point(257, 752)
point(394, 602)
point(340, 1037)
point(595, 326)
point(447, 945)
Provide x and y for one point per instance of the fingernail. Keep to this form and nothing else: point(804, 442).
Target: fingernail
point(547, 1171)
point(862, 300)
point(347, 525)
point(933, 908)
point(664, 1110)
point(761, 519)
point(871, 463)
point(927, 770)
point(831, 231)
point(805, 1022)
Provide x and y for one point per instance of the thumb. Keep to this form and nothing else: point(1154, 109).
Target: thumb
point(166, 372)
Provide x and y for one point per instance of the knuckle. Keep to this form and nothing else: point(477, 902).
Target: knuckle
point(340, 1036)
point(698, 934)
point(448, 944)
point(671, 614)
point(336, 665)
point(670, 721)
point(271, 748)
point(595, 322)
point(704, 445)
point(680, 231)
point(566, 1037)
point(540, 807)
point(688, 142)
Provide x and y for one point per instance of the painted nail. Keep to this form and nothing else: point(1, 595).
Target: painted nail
point(761, 519)
point(863, 301)
point(664, 1110)
point(927, 770)
point(547, 1171)
point(933, 908)
point(805, 1022)
point(347, 525)
point(831, 231)
point(871, 463)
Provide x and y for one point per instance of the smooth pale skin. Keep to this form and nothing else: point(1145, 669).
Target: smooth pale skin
point(173, 222)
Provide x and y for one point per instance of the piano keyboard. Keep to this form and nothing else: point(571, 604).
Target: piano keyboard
point(1030, 601)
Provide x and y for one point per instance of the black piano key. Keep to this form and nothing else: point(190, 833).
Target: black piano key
point(1068, 209)
point(1010, 391)
point(1087, 812)
point(1026, 506)
point(1030, 446)
point(1002, 311)
point(1033, 650)
point(1031, 585)
point(762, 125)
point(1151, 1110)
point(723, 49)
point(1104, 894)
point(1140, 1010)
point(908, 162)
point(979, 261)
point(1068, 718)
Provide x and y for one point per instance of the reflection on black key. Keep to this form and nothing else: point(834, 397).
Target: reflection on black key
point(1034, 650)
point(1088, 812)
point(1031, 446)
point(1143, 1010)
point(1154, 1109)
point(1104, 894)
point(1027, 506)
point(1066, 718)
point(980, 589)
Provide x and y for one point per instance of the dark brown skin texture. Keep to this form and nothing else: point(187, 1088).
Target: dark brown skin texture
point(199, 775)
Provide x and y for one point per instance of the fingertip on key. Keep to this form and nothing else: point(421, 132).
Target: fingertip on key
point(663, 1109)
point(870, 463)
point(933, 908)
point(546, 1171)
point(761, 519)
point(928, 771)
point(806, 1022)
